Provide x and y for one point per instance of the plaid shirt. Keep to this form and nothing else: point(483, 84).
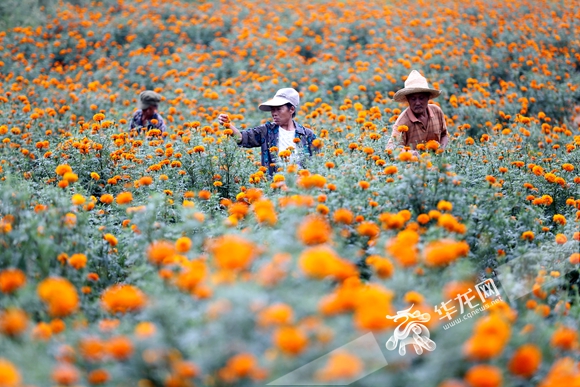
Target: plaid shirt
point(137, 121)
point(266, 136)
point(436, 128)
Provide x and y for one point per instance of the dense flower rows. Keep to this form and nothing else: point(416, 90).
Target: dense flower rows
point(172, 259)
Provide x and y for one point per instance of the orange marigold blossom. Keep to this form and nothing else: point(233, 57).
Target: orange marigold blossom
point(265, 212)
point(123, 298)
point(124, 198)
point(60, 296)
point(565, 338)
point(77, 261)
point(160, 251)
point(120, 348)
point(65, 374)
point(277, 314)
point(525, 361)
point(111, 239)
point(183, 244)
point(11, 280)
point(9, 374)
point(13, 322)
point(290, 340)
point(314, 230)
point(343, 215)
point(341, 365)
point(106, 198)
point(322, 261)
point(232, 252)
point(484, 375)
point(444, 251)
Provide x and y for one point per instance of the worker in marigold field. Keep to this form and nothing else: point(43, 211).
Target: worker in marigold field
point(146, 115)
point(281, 140)
point(421, 121)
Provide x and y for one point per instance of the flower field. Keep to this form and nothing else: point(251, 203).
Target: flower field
point(173, 259)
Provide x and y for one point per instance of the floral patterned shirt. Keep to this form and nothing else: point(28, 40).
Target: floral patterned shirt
point(266, 137)
point(137, 121)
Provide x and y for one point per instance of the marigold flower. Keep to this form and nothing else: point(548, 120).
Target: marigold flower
point(445, 251)
point(565, 338)
point(60, 296)
point(528, 235)
point(321, 261)
point(122, 299)
point(124, 198)
point(368, 229)
point(11, 280)
point(340, 365)
point(232, 252)
point(444, 205)
point(314, 230)
point(265, 212)
point(62, 169)
point(120, 348)
point(78, 261)
point(183, 244)
point(106, 198)
point(343, 215)
point(484, 375)
point(560, 219)
point(277, 314)
point(9, 374)
point(65, 374)
point(383, 266)
point(70, 177)
point(13, 322)
point(98, 376)
point(290, 340)
point(525, 361)
point(111, 239)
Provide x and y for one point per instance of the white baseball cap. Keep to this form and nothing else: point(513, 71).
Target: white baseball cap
point(282, 97)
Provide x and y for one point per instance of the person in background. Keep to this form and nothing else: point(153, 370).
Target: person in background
point(420, 122)
point(147, 116)
point(290, 139)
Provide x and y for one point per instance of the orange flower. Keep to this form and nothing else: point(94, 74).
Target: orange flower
point(484, 375)
point(9, 375)
point(232, 252)
point(290, 340)
point(383, 266)
point(78, 199)
point(432, 145)
point(277, 314)
point(124, 198)
point(122, 299)
point(340, 365)
point(314, 230)
point(60, 296)
point(265, 212)
point(204, 195)
point(107, 198)
point(445, 251)
point(92, 349)
point(111, 239)
point(78, 261)
point(183, 244)
point(13, 322)
point(565, 338)
point(146, 180)
point(98, 376)
point(321, 261)
point(368, 229)
point(120, 348)
point(242, 364)
point(343, 215)
point(65, 374)
point(62, 169)
point(11, 280)
point(528, 235)
point(444, 206)
point(160, 251)
point(525, 361)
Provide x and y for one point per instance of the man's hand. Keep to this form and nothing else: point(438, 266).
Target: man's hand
point(224, 119)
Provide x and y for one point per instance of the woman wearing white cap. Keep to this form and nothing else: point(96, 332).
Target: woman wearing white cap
point(283, 133)
point(423, 121)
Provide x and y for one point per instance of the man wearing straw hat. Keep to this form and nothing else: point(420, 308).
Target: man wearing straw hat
point(146, 115)
point(282, 138)
point(420, 122)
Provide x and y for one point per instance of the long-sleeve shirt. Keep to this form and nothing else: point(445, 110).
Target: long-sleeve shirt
point(138, 122)
point(266, 136)
point(417, 133)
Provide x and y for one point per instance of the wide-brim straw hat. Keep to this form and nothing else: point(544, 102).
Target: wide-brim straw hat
point(415, 83)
